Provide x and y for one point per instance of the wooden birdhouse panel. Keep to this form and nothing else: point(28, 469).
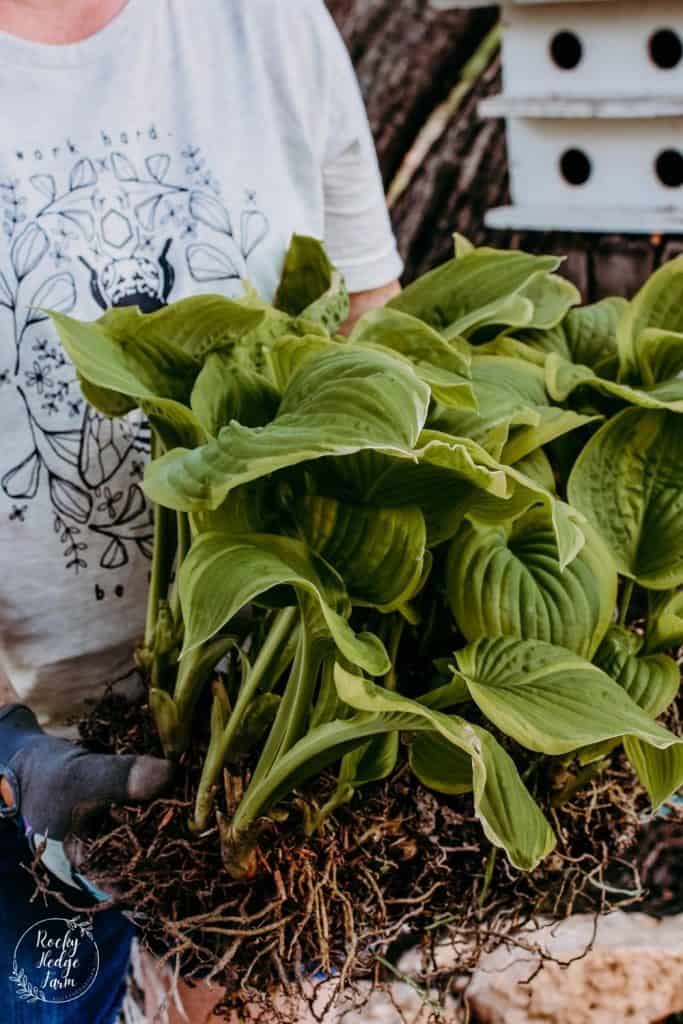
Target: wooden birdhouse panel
point(564, 168)
point(593, 50)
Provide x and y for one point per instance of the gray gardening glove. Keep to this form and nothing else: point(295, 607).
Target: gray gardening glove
point(51, 786)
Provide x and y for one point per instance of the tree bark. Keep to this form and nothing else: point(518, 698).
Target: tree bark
point(408, 58)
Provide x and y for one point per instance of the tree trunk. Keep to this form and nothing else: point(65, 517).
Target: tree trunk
point(409, 58)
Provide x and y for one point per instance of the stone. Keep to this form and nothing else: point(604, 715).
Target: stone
point(620, 968)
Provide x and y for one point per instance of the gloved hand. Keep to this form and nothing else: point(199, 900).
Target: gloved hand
point(51, 786)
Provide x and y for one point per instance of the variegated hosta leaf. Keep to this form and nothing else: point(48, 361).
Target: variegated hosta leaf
point(563, 379)
point(338, 404)
point(551, 700)
point(629, 485)
point(514, 415)
point(224, 573)
point(665, 621)
point(476, 288)
point(658, 304)
point(651, 681)
point(443, 365)
point(310, 286)
point(379, 552)
point(587, 335)
point(225, 391)
point(508, 814)
point(507, 580)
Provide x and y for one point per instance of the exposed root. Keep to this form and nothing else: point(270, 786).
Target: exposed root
point(398, 868)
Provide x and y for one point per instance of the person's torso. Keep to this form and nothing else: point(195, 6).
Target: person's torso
point(174, 153)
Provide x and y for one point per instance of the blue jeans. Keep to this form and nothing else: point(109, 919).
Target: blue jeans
point(56, 966)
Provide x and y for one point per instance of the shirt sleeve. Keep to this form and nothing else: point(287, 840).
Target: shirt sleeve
point(358, 233)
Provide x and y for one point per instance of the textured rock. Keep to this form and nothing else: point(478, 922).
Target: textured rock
point(627, 968)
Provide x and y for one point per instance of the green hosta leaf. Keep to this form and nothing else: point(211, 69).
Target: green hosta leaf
point(658, 304)
point(509, 393)
point(111, 404)
point(587, 335)
point(552, 298)
point(665, 621)
point(660, 771)
point(252, 508)
point(652, 681)
point(536, 465)
point(338, 404)
point(552, 423)
point(476, 288)
point(508, 814)
point(628, 483)
point(439, 765)
point(310, 286)
point(507, 580)
point(549, 699)
point(564, 378)
point(223, 573)
point(289, 353)
point(225, 391)
point(443, 365)
point(130, 362)
point(659, 355)
point(174, 423)
point(379, 552)
point(525, 494)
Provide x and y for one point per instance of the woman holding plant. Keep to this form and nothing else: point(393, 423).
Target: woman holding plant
point(150, 150)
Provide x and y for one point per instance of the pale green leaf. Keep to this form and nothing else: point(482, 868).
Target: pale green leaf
point(549, 699)
point(475, 288)
point(660, 771)
point(665, 621)
point(658, 304)
point(310, 286)
point(225, 391)
point(507, 580)
point(224, 573)
point(379, 552)
point(629, 485)
point(338, 404)
point(651, 681)
point(508, 814)
point(439, 765)
point(563, 379)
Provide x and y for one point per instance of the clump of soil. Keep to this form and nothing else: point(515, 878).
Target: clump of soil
point(399, 867)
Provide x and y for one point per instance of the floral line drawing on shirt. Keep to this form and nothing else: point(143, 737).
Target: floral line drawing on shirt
point(109, 235)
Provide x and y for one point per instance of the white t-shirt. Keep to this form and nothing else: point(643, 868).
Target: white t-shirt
point(174, 152)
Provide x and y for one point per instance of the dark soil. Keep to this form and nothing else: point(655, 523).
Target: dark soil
point(397, 868)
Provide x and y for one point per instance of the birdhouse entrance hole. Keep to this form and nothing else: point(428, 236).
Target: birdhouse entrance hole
point(575, 167)
point(669, 168)
point(666, 49)
point(566, 50)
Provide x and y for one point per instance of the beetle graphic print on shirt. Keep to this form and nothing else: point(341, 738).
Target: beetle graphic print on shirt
point(109, 229)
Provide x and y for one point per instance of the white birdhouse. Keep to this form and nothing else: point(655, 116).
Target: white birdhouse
point(593, 103)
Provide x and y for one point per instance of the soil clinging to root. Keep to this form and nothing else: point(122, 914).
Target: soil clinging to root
point(398, 868)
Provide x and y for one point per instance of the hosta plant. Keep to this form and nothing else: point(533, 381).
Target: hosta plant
point(460, 526)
